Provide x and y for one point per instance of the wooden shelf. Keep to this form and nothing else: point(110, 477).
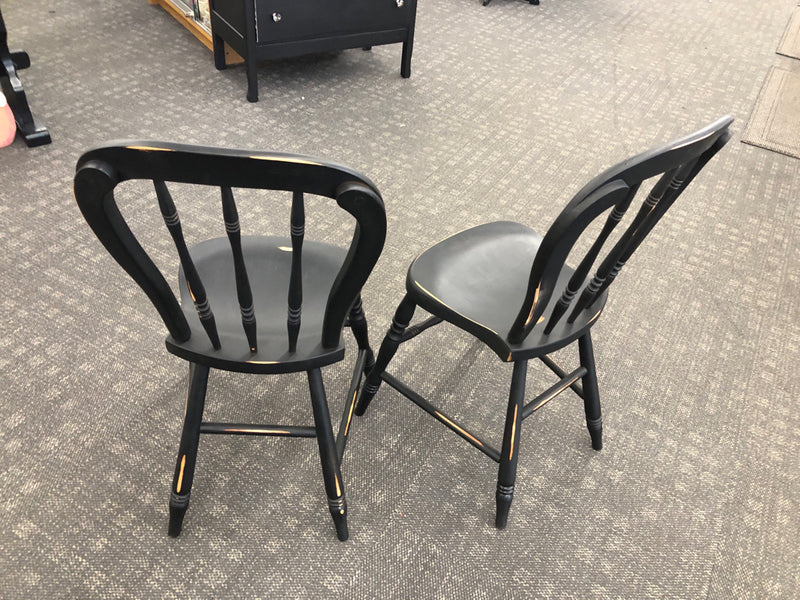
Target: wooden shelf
point(200, 32)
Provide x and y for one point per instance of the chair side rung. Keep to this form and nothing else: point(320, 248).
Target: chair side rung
point(414, 330)
point(553, 391)
point(247, 429)
point(441, 417)
point(576, 387)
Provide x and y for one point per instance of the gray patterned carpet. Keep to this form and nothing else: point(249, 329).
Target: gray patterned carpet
point(509, 110)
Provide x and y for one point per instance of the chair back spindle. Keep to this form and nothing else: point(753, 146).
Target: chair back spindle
point(243, 291)
point(298, 226)
point(193, 281)
point(580, 274)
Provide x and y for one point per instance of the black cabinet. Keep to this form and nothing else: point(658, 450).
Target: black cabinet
point(269, 29)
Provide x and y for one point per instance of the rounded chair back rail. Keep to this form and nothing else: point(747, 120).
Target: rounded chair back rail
point(104, 167)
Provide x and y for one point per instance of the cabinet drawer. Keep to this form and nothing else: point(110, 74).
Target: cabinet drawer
point(282, 20)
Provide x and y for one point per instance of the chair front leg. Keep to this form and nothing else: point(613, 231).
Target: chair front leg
point(402, 318)
point(591, 401)
point(334, 488)
point(507, 473)
point(187, 454)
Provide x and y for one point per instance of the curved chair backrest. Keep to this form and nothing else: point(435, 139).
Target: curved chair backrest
point(677, 162)
point(101, 169)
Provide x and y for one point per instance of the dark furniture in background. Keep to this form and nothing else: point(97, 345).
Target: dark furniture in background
point(511, 288)
point(254, 304)
point(269, 29)
point(32, 132)
point(535, 2)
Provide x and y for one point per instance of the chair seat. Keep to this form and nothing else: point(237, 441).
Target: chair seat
point(477, 280)
point(271, 258)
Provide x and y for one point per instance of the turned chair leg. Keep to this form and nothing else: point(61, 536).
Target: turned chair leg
point(334, 488)
point(591, 402)
point(402, 318)
point(358, 325)
point(187, 454)
point(507, 473)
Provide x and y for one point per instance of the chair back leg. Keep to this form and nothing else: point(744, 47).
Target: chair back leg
point(350, 401)
point(394, 336)
point(187, 453)
point(507, 473)
point(334, 487)
point(591, 393)
point(358, 325)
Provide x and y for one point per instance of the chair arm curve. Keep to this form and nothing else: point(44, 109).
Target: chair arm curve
point(94, 185)
point(367, 207)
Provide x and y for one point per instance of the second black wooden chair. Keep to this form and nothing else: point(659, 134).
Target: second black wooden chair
point(511, 288)
point(254, 304)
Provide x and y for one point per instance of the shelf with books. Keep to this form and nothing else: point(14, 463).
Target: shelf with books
point(193, 14)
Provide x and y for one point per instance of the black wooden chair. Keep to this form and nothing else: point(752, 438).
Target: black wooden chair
point(252, 304)
point(511, 289)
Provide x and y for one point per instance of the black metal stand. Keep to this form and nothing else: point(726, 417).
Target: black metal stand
point(34, 133)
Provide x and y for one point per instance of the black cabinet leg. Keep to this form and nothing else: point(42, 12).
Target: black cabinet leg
point(252, 79)
point(187, 454)
point(507, 473)
point(219, 52)
point(405, 61)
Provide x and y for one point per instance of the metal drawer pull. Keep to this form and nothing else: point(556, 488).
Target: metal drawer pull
point(400, 3)
point(276, 16)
